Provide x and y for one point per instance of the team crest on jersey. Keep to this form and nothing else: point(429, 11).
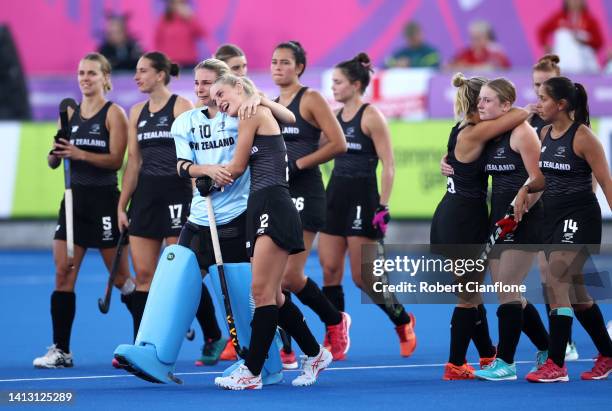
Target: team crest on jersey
point(95, 129)
point(560, 151)
point(500, 152)
point(74, 129)
point(350, 132)
point(543, 149)
point(142, 123)
point(162, 121)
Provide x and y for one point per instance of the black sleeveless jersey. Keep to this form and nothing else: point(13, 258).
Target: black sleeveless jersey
point(360, 160)
point(155, 140)
point(537, 123)
point(505, 165)
point(301, 138)
point(268, 162)
point(469, 179)
point(565, 172)
point(91, 135)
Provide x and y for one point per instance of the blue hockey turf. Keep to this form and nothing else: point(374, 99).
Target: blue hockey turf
point(374, 376)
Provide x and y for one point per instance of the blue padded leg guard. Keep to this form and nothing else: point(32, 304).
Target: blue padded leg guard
point(238, 277)
point(172, 304)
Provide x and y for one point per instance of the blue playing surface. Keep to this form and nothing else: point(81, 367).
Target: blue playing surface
point(373, 376)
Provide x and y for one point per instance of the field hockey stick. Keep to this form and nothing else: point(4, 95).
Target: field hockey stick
point(494, 236)
point(219, 262)
point(392, 306)
point(104, 304)
point(68, 206)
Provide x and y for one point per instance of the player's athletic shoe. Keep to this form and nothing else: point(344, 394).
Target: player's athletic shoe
point(229, 352)
point(211, 352)
point(311, 367)
point(498, 370)
point(601, 369)
point(289, 361)
point(549, 372)
point(407, 337)
point(571, 353)
point(240, 379)
point(455, 372)
point(541, 357)
point(337, 338)
point(54, 358)
point(487, 361)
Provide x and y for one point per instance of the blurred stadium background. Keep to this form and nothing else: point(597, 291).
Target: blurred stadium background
point(41, 42)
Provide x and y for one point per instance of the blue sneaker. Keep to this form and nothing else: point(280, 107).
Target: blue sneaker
point(498, 370)
point(541, 357)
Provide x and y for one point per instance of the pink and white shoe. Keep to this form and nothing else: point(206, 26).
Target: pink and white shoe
point(240, 379)
point(549, 372)
point(311, 367)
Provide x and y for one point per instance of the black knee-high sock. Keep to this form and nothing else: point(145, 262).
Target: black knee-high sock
point(533, 327)
point(206, 316)
point(63, 307)
point(510, 324)
point(462, 328)
point(291, 320)
point(548, 310)
point(263, 326)
point(335, 294)
point(139, 300)
point(397, 314)
point(312, 297)
point(284, 335)
point(481, 337)
point(593, 322)
point(560, 327)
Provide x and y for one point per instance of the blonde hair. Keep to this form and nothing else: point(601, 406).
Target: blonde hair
point(505, 90)
point(105, 67)
point(219, 67)
point(548, 63)
point(468, 89)
point(232, 80)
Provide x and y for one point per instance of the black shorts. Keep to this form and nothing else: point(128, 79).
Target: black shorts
point(351, 205)
point(159, 206)
point(528, 231)
point(232, 241)
point(271, 212)
point(94, 217)
point(572, 220)
point(458, 221)
point(308, 195)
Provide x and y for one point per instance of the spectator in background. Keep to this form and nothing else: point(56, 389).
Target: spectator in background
point(416, 53)
point(178, 32)
point(119, 48)
point(574, 35)
point(483, 54)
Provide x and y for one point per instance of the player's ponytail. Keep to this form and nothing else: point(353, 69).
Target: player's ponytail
point(161, 62)
point(359, 68)
point(581, 113)
point(299, 54)
point(468, 89)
